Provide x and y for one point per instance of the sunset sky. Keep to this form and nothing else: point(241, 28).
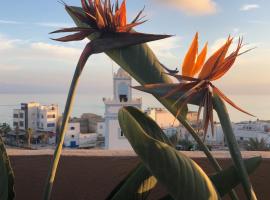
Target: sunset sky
point(32, 63)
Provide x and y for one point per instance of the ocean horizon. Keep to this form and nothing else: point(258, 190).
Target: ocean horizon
point(259, 105)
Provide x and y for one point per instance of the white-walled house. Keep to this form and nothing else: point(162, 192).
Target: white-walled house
point(252, 130)
point(215, 139)
point(72, 135)
point(122, 96)
point(162, 117)
point(37, 117)
point(75, 139)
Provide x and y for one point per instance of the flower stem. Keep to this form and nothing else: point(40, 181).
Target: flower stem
point(68, 108)
point(233, 146)
point(199, 141)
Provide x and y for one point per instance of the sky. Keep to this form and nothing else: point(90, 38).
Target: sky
point(30, 62)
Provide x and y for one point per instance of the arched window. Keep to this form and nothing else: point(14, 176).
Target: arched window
point(123, 92)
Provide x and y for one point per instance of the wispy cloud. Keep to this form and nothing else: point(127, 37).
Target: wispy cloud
point(260, 22)
point(53, 24)
point(198, 7)
point(9, 22)
point(7, 43)
point(248, 7)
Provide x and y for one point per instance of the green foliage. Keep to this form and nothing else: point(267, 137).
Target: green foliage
point(229, 178)
point(139, 183)
point(233, 146)
point(136, 185)
point(256, 145)
point(4, 128)
point(6, 175)
point(182, 177)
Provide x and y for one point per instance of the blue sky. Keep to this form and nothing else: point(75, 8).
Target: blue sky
point(32, 63)
point(28, 51)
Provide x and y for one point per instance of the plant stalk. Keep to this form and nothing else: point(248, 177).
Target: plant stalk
point(68, 108)
point(233, 146)
point(199, 141)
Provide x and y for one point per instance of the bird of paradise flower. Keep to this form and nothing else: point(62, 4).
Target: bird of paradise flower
point(105, 24)
point(195, 83)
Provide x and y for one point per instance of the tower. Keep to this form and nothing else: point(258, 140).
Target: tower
point(122, 96)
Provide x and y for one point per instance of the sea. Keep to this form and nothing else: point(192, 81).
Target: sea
point(258, 105)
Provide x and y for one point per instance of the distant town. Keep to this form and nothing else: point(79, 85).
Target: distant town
point(37, 126)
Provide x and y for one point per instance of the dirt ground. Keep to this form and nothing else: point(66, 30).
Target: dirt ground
point(93, 177)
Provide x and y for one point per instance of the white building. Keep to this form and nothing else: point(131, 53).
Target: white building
point(252, 130)
point(37, 117)
point(162, 117)
point(75, 139)
point(72, 135)
point(122, 96)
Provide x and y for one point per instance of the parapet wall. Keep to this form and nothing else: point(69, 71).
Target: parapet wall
point(92, 174)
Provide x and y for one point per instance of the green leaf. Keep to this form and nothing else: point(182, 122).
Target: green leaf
point(139, 183)
point(229, 178)
point(6, 175)
point(233, 146)
point(136, 185)
point(182, 177)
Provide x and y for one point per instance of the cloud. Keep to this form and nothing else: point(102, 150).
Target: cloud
point(53, 24)
point(248, 7)
point(195, 7)
point(47, 50)
point(259, 22)
point(9, 22)
point(7, 43)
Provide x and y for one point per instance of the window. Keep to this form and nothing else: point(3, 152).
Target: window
point(72, 136)
point(15, 116)
point(21, 115)
point(21, 124)
point(15, 124)
point(241, 138)
point(72, 128)
point(123, 91)
point(121, 134)
point(51, 116)
point(100, 126)
point(123, 98)
point(50, 125)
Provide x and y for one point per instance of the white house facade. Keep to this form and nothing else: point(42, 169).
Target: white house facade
point(37, 117)
point(122, 96)
point(75, 139)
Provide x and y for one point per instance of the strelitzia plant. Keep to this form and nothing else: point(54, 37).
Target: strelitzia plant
point(142, 64)
point(200, 90)
point(108, 29)
point(198, 76)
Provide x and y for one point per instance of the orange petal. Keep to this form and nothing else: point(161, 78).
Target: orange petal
point(128, 27)
point(123, 14)
point(227, 64)
point(219, 93)
point(214, 61)
point(99, 19)
point(190, 57)
point(200, 61)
